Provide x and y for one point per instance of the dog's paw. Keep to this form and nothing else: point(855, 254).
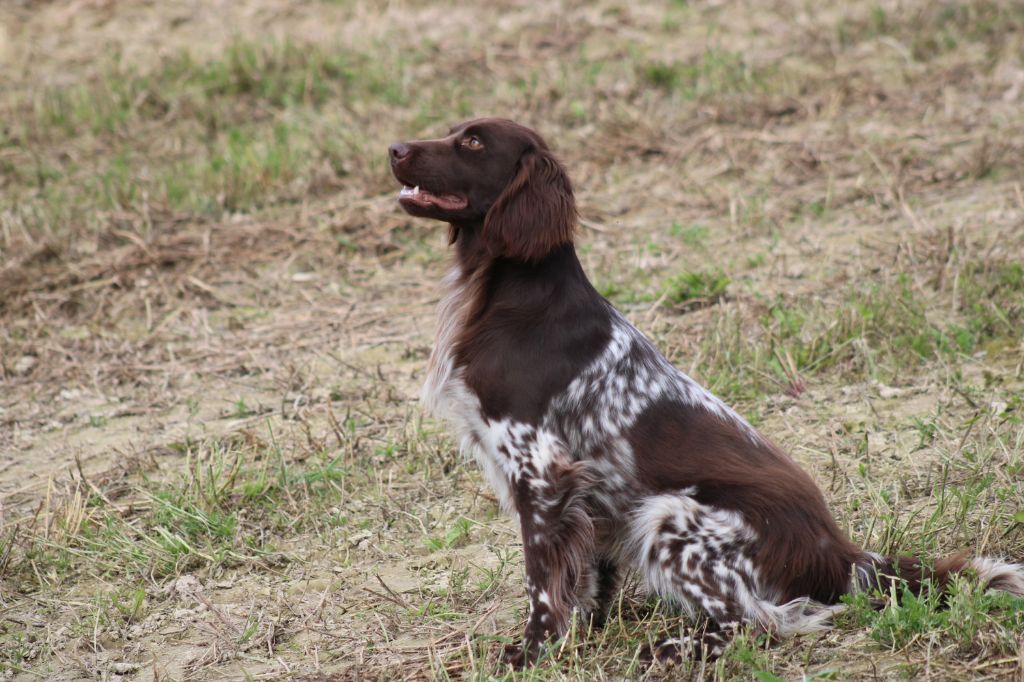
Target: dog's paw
point(677, 650)
point(520, 656)
point(667, 652)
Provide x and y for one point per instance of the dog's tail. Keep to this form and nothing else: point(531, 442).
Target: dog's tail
point(875, 572)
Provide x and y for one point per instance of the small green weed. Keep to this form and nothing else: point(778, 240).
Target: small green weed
point(696, 289)
point(715, 72)
point(455, 536)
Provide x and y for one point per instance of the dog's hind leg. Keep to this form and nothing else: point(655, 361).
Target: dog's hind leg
point(699, 557)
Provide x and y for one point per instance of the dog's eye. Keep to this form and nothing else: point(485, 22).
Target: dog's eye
point(472, 142)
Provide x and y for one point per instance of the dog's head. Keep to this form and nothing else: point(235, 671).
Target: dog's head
point(492, 174)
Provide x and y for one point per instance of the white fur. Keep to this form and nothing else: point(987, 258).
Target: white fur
point(712, 532)
point(1000, 575)
point(452, 311)
point(616, 390)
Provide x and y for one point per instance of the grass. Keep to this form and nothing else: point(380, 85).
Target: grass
point(236, 132)
point(957, 617)
point(215, 323)
point(716, 72)
point(870, 332)
point(938, 29)
point(215, 516)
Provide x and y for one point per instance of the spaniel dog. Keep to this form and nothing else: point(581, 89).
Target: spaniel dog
point(610, 457)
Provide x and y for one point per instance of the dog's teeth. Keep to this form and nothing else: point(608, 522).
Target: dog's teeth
point(416, 189)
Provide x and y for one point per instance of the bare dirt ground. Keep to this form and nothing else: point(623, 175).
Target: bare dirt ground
point(214, 320)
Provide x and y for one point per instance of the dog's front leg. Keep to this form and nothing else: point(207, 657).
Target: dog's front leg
point(558, 545)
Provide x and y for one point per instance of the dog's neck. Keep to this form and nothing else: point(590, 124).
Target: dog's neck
point(473, 255)
point(470, 251)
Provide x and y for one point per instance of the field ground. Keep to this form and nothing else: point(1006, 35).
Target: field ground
point(214, 320)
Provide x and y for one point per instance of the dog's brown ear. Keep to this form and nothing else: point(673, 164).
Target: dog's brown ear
point(536, 213)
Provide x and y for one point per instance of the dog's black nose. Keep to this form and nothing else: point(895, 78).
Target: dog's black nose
point(399, 151)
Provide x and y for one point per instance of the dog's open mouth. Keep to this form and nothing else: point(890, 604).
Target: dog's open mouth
point(416, 196)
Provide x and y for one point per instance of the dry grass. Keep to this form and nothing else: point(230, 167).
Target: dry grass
point(214, 322)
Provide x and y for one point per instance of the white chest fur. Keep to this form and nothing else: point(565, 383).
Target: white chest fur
point(452, 312)
point(446, 395)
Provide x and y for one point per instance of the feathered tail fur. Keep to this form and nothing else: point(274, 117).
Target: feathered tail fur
point(874, 571)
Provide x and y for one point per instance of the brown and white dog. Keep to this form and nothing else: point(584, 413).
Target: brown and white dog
point(609, 456)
